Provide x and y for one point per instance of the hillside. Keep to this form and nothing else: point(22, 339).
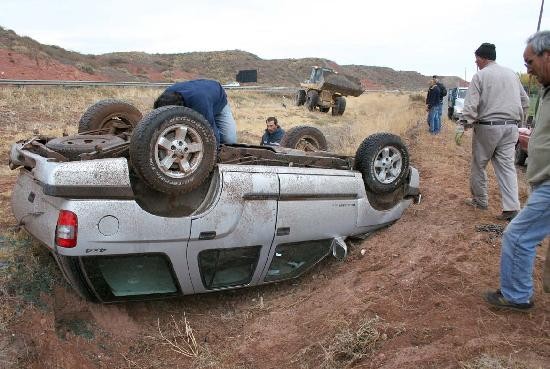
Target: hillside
point(25, 58)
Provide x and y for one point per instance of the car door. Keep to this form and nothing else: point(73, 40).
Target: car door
point(230, 241)
point(314, 208)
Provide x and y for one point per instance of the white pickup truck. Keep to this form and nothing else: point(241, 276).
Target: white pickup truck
point(259, 215)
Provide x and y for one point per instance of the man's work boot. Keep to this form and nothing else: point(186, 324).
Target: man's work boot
point(473, 203)
point(507, 215)
point(495, 299)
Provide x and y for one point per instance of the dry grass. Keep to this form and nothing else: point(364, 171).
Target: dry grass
point(489, 362)
point(364, 115)
point(54, 110)
point(178, 336)
point(353, 343)
point(26, 274)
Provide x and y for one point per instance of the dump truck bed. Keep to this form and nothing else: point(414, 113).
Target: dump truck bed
point(337, 83)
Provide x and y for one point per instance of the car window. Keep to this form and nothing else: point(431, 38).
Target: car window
point(228, 267)
point(292, 259)
point(462, 94)
point(119, 276)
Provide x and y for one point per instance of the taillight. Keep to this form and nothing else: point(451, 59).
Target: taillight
point(67, 229)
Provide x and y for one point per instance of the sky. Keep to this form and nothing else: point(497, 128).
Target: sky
point(430, 37)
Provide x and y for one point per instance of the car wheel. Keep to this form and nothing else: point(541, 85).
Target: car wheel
point(72, 146)
point(305, 138)
point(109, 116)
point(521, 156)
point(339, 106)
point(383, 160)
point(312, 100)
point(300, 98)
point(173, 149)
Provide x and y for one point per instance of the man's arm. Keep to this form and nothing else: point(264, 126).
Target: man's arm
point(471, 101)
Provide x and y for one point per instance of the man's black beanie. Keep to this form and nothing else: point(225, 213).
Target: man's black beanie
point(487, 51)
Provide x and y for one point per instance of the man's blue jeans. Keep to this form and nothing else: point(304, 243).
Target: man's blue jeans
point(439, 114)
point(519, 242)
point(226, 125)
point(432, 119)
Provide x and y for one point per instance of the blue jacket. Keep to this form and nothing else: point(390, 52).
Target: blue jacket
point(273, 139)
point(204, 96)
point(433, 98)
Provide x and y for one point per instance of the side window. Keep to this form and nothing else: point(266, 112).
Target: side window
point(228, 267)
point(130, 276)
point(292, 259)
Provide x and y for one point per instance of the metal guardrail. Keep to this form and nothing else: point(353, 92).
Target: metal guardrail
point(28, 82)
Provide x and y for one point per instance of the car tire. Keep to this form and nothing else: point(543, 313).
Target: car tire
point(520, 156)
point(110, 116)
point(305, 138)
point(312, 100)
point(300, 98)
point(339, 106)
point(383, 160)
point(173, 149)
point(72, 146)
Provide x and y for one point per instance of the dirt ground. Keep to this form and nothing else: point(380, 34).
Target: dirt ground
point(411, 299)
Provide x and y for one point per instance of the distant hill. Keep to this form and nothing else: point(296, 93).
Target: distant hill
point(25, 58)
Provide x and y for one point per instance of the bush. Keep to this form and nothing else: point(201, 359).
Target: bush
point(86, 68)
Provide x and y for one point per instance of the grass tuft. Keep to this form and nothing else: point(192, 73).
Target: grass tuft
point(490, 362)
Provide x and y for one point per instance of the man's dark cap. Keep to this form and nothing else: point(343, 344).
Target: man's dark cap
point(487, 51)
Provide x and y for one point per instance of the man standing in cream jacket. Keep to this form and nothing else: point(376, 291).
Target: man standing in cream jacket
point(495, 104)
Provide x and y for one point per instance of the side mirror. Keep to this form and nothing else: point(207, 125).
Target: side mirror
point(339, 248)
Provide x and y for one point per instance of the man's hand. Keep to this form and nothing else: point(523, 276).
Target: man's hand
point(459, 132)
point(464, 123)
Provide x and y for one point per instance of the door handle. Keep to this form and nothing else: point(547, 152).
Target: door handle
point(210, 235)
point(283, 231)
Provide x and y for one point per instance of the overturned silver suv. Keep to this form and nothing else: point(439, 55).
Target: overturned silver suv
point(137, 208)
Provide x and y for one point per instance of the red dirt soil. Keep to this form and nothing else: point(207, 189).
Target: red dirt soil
point(14, 65)
point(422, 277)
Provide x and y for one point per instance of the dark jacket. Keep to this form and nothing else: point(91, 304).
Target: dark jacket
point(433, 98)
point(441, 87)
point(204, 96)
point(273, 139)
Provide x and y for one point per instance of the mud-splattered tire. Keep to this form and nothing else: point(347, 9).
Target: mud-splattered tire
point(173, 149)
point(339, 106)
point(520, 156)
point(304, 138)
point(300, 98)
point(312, 100)
point(383, 160)
point(72, 146)
point(110, 116)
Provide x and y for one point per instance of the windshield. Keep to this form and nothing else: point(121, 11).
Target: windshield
point(462, 93)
